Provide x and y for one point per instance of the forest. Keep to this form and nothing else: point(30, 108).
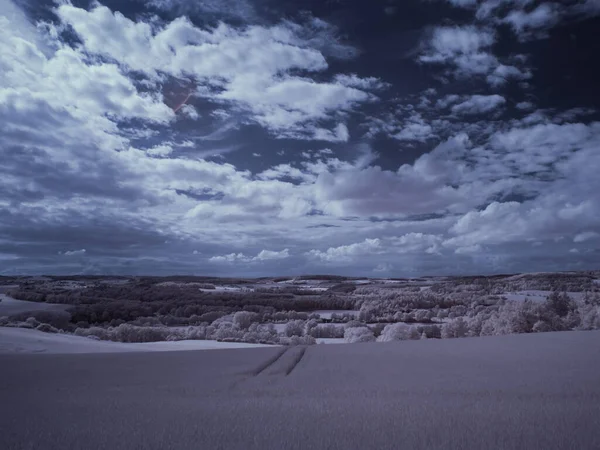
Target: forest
point(307, 309)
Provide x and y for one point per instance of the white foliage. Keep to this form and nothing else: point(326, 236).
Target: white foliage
point(398, 332)
point(358, 334)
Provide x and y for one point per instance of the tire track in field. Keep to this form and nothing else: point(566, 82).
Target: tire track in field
point(296, 361)
point(268, 363)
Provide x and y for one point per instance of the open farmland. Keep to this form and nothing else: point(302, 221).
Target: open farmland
point(535, 392)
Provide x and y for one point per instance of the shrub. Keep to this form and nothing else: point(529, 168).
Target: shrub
point(243, 319)
point(457, 328)
point(227, 330)
point(32, 321)
point(58, 319)
point(197, 333)
point(327, 331)
point(560, 303)
point(541, 327)
point(590, 317)
point(297, 340)
point(378, 329)
point(130, 333)
point(432, 331)
point(94, 333)
point(354, 324)
point(423, 315)
point(398, 332)
point(126, 333)
point(144, 321)
point(46, 328)
point(358, 334)
point(294, 328)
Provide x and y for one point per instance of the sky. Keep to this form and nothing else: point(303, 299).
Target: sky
point(268, 137)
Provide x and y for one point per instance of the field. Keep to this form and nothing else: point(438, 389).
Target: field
point(536, 391)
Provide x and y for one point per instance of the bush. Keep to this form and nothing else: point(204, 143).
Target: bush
point(294, 328)
point(358, 334)
point(46, 328)
point(455, 329)
point(590, 317)
point(198, 333)
point(541, 327)
point(431, 331)
point(32, 321)
point(327, 331)
point(399, 332)
point(297, 340)
point(262, 335)
point(130, 333)
point(355, 324)
point(560, 303)
point(94, 333)
point(243, 319)
point(145, 321)
point(126, 333)
point(58, 319)
point(227, 330)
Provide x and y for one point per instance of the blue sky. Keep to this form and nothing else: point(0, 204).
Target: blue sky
point(382, 138)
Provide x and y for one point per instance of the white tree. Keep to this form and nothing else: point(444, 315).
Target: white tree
point(244, 319)
point(294, 328)
point(358, 334)
point(454, 329)
point(398, 332)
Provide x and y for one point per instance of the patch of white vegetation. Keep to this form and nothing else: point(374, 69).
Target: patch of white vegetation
point(326, 314)
point(219, 288)
point(536, 295)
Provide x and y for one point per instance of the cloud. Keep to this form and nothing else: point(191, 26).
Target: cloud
point(446, 101)
point(422, 187)
point(525, 105)
point(266, 255)
point(74, 252)
point(230, 258)
point(479, 104)
point(585, 236)
point(263, 255)
point(228, 9)
point(544, 16)
point(463, 3)
point(416, 243)
point(467, 51)
point(414, 129)
point(366, 84)
point(346, 253)
point(503, 73)
point(450, 42)
point(383, 268)
point(338, 134)
point(248, 67)
point(564, 206)
point(527, 18)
